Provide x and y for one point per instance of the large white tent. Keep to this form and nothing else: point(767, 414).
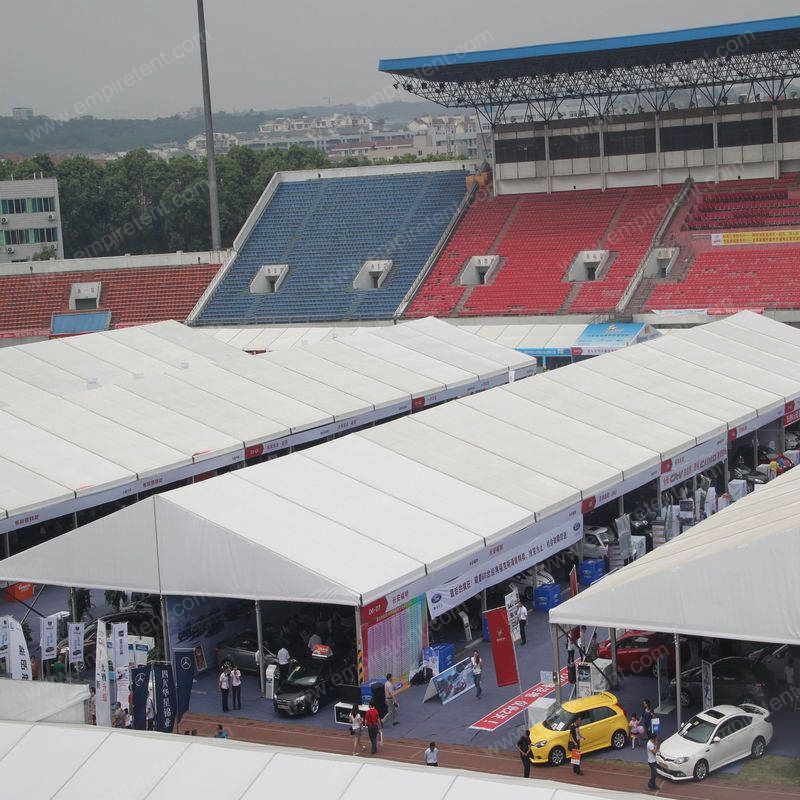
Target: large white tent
point(420, 498)
point(733, 575)
point(64, 762)
point(90, 419)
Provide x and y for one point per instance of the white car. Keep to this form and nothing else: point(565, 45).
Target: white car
point(714, 738)
point(525, 582)
point(596, 539)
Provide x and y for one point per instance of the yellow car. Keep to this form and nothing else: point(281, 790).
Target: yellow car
point(602, 723)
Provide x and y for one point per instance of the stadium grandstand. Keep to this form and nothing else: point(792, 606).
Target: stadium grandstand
point(334, 245)
point(40, 299)
point(631, 174)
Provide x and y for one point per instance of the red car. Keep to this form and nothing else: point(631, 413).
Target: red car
point(638, 651)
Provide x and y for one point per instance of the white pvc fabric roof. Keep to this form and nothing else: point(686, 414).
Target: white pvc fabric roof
point(733, 576)
point(361, 516)
point(68, 762)
point(89, 419)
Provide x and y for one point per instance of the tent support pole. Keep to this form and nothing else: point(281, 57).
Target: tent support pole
point(164, 628)
point(73, 604)
point(614, 670)
point(360, 646)
point(262, 675)
point(678, 711)
point(556, 663)
point(621, 505)
point(7, 544)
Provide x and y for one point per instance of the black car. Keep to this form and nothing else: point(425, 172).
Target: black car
point(736, 681)
point(307, 687)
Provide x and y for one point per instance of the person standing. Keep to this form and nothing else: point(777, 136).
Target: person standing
point(92, 706)
point(224, 687)
point(119, 716)
point(523, 622)
point(477, 669)
point(373, 721)
point(356, 726)
point(647, 717)
point(571, 637)
point(432, 755)
point(652, 752)
point(391, 699)
point(150, 712)
point(525, 753)
point(236, 687)
point(574, 745)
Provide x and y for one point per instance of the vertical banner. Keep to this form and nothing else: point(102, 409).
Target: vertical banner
point(512, 609)
point(505, 660)
point(184, 678)
point(573, 581)
point(121, 659)
point(164, 697)
point(18, 652)
point(140, 688)
point(75, 634)
point(707, 677)
point(5, 627)
point(48, 637)
point(102, 690)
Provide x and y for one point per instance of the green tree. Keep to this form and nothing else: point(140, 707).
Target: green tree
point(84, 212)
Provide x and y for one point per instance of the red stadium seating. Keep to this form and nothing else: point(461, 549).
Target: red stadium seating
point(746, 277)
point(134, 296)
point(538, 236)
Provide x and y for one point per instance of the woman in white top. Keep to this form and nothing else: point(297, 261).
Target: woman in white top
point(236, 686)
point(477, 669)
point(356, 725)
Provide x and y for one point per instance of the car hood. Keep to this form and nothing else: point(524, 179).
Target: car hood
point(539, 732)
point(676, 746)
point(290, 696)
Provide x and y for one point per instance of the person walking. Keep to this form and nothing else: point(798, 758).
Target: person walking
point(236, 687)
point(432, 755)
point(652, 752)
point(356, 726)
point(647, 717)
point(523, 622)
point(525, 753)
point(373, 722)
point(477, 670)
point(224, 687)
point(574, 745)
point(391, 700)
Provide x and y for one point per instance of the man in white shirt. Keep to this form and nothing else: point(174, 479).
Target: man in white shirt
point(652, 752)
point(523, 622)
point(391, 700)
point(283, 657)
point(236, 686)
point(432, 755)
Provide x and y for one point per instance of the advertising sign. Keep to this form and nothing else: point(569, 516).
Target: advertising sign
point(605, 337)
point(101, 682)
point(505, 659)
point(454, 681)
point(4, 630)
point(681, 467)
point(623, 526)
point(48, 637)
point(512, 609)
point(18, 652)
point(707, 677)
point(119, 637)
point(164, 697)
point(500, 563)
point(75, 634)
point(754, 237)
point(140, 688)
point(184, 678)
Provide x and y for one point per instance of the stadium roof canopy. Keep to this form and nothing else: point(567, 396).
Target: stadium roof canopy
point(713, 575)
point(89, 763)
point(651, 67)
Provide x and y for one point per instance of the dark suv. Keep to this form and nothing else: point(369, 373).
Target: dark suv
point(307, 687)
point(736, 681)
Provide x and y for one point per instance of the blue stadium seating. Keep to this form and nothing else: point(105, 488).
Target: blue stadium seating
point(324, 229)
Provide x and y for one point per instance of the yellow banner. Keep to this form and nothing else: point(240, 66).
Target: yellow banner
point(755, 237)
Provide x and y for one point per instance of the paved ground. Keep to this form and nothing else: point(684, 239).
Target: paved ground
point(598, 772)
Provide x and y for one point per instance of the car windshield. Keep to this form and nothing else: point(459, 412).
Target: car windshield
point(301, 676)
point(559, 720)
point(697, 729)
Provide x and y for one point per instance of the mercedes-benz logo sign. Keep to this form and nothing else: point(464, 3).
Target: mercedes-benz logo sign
point(185, 663)
point(140, 679)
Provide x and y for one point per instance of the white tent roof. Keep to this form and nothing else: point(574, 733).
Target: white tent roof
point(90, 763)
point(39, 701)
point(107, 414)
point(734, 576)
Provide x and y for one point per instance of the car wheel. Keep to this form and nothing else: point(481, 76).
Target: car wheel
point(619, 740)
point(557, 756)
point(701, 771)
point(686, 698)
point(314, 707)
point(758, 748)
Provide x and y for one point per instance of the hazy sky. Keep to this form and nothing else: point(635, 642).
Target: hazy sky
point(58, 53)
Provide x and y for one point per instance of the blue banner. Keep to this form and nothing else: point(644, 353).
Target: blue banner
point(164, 697)
point(140, 688)
point(184, 678)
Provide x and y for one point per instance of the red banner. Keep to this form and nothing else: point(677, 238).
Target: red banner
point(505, 660)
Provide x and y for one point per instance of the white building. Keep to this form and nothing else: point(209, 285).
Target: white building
point(21, 113)
point(222, 143)
point(30, 219)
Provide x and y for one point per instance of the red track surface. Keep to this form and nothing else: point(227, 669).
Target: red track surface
point(619, 776)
